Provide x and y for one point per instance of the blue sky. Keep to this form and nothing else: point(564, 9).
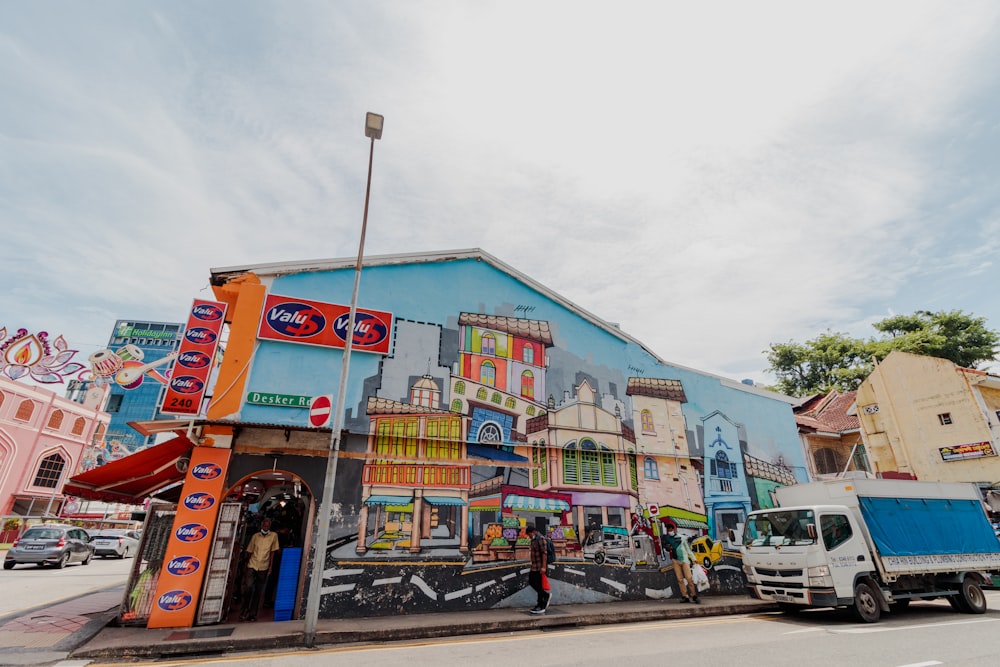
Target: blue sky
point(713, 177)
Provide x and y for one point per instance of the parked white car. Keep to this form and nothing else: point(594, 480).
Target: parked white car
point(116, 542)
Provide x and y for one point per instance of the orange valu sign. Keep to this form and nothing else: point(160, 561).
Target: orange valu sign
point(295, 320)
point(195, 358)
point(183, 569)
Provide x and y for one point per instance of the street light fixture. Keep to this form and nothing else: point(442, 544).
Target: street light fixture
point(373, 130)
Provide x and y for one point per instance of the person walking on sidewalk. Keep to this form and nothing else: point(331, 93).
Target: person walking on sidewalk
point(261, 548)
point(681, 554)
point(539, 563)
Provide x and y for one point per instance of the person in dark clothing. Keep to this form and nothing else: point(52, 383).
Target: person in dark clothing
point(539, 562)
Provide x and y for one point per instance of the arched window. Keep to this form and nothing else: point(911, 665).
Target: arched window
point(528, 384)
point(827, 462)
point(649, 468)
point(459, 387)
point(49, 471)
point(496, 397)
point(1, 398)
point(488, 374)
point(589, 463)
point(489, 344)
point(99, 432)
point(530, 410)
point(510, 403)
point(25, 410)
point(721, 467)
point(490, 432)
point(528, 354)
point(481, 394)
point(78, 426)
point(456, 405)
point(55, 419)
point(647, 422)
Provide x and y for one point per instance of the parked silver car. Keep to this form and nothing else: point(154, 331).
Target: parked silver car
point(50, 544)
point(115, 542)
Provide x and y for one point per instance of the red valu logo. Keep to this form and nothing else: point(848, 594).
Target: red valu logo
point(199, 501)
point(207, 312)
point(186, 384)
point(368, 329)
point(296, 320)
point(194, 360)
point(183, 565)
point(200, 336)
point(174, 600)
point(206, 471)
point(191, 532)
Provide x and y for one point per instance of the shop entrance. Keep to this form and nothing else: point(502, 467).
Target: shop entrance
point(282, 500)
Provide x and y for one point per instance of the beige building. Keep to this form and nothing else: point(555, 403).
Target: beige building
point(927, 418)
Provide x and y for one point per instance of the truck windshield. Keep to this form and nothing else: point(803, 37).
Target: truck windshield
point(777, 528)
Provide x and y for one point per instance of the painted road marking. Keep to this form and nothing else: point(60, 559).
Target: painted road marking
point(390, 580)
point(422, 585)
point(866, 631)
point(614, 584)
point(337, 589)
point(486, 584)
point(458, 594)
point(923, 664)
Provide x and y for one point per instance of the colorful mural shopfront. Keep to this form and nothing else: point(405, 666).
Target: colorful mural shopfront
point(479, 403)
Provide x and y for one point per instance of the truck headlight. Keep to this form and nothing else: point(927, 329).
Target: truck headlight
point(819, 576)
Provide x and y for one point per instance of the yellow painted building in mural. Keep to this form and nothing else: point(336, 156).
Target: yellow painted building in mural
point(929, 419)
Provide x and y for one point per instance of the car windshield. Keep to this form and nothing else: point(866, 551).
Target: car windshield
point(777, 528)
point(41, 534)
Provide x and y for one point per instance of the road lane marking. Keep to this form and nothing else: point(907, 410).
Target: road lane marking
point(928, 663)
point(865, 631)
point(797, 632)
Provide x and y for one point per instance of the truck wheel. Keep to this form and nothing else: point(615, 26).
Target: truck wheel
point(599, 558)
point(866, 603)
point(971, 597)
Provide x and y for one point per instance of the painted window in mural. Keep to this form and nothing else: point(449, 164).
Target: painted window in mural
point(528, 354)
point(481, 394)
point(488, 374)
point(55, 420)
point(530, 410)
point(539, 474)
point(583, 463)
point(78, 426)
point(443, 438)
point(510, 403)
point(496, 398)
point(489, 344)
point(527, 384)
point(647, 422)
point(633, 472)
point(456, 405)
point(724, 472)
point(490, 432)
point(25, 410)
point(459, 387)
point(49, 471)
point(397, 436)
point(649, 468)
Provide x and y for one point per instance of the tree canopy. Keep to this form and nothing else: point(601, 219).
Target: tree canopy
point(836, 361)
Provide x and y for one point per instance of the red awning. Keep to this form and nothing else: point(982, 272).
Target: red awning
point(134, 478)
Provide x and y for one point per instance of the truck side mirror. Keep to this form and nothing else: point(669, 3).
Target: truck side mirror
point(811, 530)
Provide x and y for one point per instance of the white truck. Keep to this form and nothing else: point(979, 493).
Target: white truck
point(870, 544)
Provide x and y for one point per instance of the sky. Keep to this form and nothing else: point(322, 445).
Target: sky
point(713, 177)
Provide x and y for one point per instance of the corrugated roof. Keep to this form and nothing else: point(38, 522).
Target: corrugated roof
point(532, 329)
point(385, 406)
point(656, 388)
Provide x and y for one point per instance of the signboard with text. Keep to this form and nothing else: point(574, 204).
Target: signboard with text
point(976, 450)
point(278, 400)
point(295, 320)
point(195, 358)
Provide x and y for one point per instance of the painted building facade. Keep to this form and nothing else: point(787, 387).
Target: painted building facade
point(478, 402)
point(43, 438)
point(927, 418)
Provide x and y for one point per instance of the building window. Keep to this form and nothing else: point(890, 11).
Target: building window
point(530, 410)
point(459, 387)
point(649, 468)
point(511, 402)
point(397, 437)
point(481, 394)
point(722, 468)
point(25, 410)
point(1, 398)
point(945, 418)
point(489, 344)
point(49, 471)
point(444, 437)
point(491, 433)
point(528, 385)
point(496, 397)
point(115, 402)
point(78, 426)
point(647, 422)
point(633, 472)
point(488, 374)
point(55, 420)
point(540, 473)
point(586, 463)
point(456, 405)
point(528, 354)
point(827, 462)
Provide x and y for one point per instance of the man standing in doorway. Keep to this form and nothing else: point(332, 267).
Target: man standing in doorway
point(261, 548)
point(539, 563)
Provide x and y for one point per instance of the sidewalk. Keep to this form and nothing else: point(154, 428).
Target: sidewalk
point(113, 643)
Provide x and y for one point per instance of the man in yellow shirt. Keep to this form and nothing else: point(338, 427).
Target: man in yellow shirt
point(261, 548)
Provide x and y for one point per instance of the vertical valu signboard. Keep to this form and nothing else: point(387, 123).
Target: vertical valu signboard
point(195, 358)
point(183, 569)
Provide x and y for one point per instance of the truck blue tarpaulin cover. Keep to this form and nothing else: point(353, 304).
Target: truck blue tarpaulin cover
point(922, 526)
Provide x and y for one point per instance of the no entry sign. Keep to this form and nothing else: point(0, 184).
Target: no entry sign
point(319, 411)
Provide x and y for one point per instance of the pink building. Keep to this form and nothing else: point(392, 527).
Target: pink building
point(43, 438)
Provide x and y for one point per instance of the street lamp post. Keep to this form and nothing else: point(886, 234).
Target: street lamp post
point(373, 130)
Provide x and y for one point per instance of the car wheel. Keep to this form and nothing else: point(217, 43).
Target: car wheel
point(123, 553)
point(707, 563)
point(866, 604)
point(86, 560)
point(9, 565)
point(63, 560)
point(599, 558)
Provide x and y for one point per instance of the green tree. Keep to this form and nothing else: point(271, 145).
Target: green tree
point(836, 361)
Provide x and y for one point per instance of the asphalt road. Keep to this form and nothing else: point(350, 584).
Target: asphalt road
point(28, 586)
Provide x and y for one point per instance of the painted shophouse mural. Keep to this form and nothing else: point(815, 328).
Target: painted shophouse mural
point(480, 402)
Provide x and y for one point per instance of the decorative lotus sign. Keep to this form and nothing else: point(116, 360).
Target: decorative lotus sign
point(34, 355)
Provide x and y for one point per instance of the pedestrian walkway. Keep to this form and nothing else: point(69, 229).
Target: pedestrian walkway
point(78, 629)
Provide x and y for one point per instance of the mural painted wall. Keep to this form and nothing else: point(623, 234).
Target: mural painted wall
point(498, 405)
